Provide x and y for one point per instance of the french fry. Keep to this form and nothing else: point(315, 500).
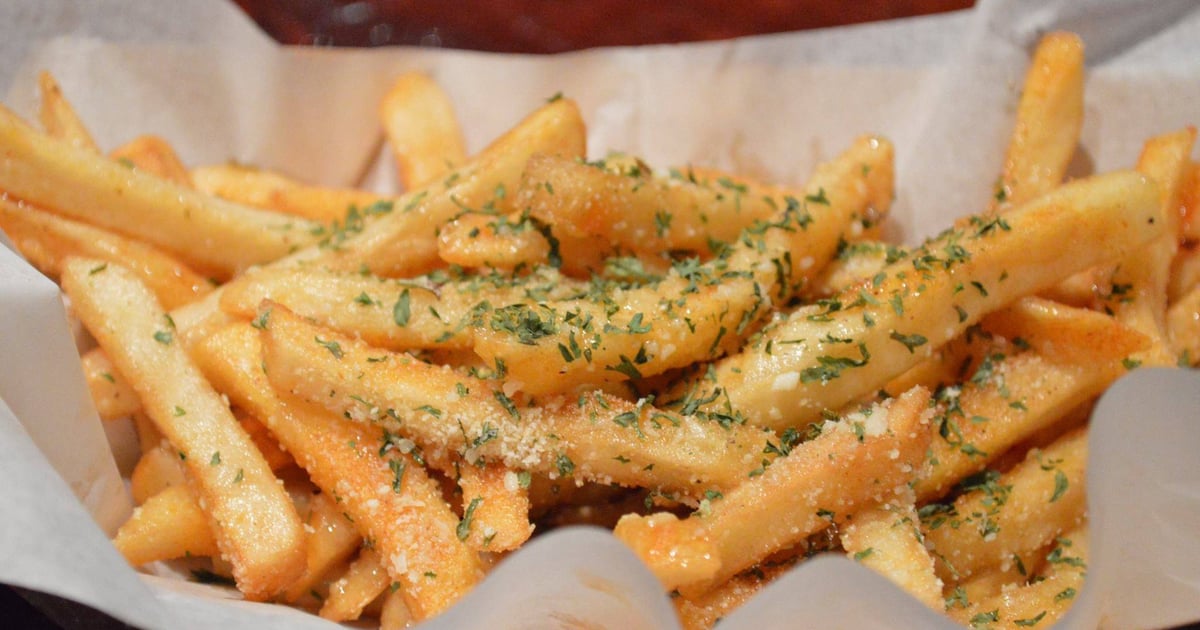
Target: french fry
point(705, 610)
point(111, 393)
point(153, 155)
point(887, 539)
point(421, 129)
point(403, 243)
point(1183, 328)
point(398, 314)
point(1041, 602)
point(362, 583)
point(395, 614)
point(854, 464)
point(255, 525)
point(273, 191)
point(1010, 396)
point(1049, 118)
point(1012, 515)
point(168, 525)
point(581, 343)
point(1063, 333)
point(826, 355)
point(87, 187)
point(1190, 203)
point(497, 505)
point(332, 538)
point(1185, 272)
point(382, 487)
point(158, 469)
point(490, 241)
point(1139, 284)
point(47, 240)
point(276, 458)
point(592, 437)
point(58, 117)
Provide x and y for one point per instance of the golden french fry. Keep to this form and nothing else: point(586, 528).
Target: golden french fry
point(856, 264)
point(59, 118)
point(168, 525)
point(47, 240)
point(1139, 285)
point(397, 314)
point(153, 155)
point(1042, 601)
point(697, 311)
point(158, 469)
point(1185, 272)
point(596, 436)
point(1006, 518)
point(887, 539)
point(332, 538)
point(272, 191)
point(828, 354)
point(1011, 395)
point(1190, 203)
point(422, 130)
point(254, 521)
point(213, 236)
point(375, 476)
point(496, 507)
point(111, 393)
point(855, 463)
point(363, 582)
point(1183, 328)
point(1049, 118)
point(1064, 333)
point(276, 457)
point(395, 614)
point(703, 611)
point(493, 241)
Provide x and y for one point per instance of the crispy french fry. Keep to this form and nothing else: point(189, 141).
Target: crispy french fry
point(168, 525)
point(153, 155)
point(276, 458)
point(422, 130)
point(597, 436)
point(1139, 284)
point(497, 506)
point(381, 486)
point(1012, 515)
point(363, 582)
point(272, 191)
point(403, 243)
point(397, 314)
point(1190, 203)
point(826, 355)
point(395, 614)
point(1183, 328)
point(1063, 333)
point(1049, 118)
point(1011, 396)
point(158, 469)
point(491, 241)
point(88, 187)
point(111, 393)
point(703, 611)
point(855, 463)
point(254, 521)
point(47, 240)
point(59, 118)
point(332, 538)
point(856, 264)
point(887, 539)
point(698, 310)
point(1041, 602)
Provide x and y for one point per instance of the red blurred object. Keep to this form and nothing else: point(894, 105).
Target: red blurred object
point(549, 26)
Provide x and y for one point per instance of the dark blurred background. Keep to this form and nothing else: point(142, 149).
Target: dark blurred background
point(549, 26)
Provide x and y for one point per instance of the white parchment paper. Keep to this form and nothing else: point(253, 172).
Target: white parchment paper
point(943, 88)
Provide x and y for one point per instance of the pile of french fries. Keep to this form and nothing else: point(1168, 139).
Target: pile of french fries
point(357, 404)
